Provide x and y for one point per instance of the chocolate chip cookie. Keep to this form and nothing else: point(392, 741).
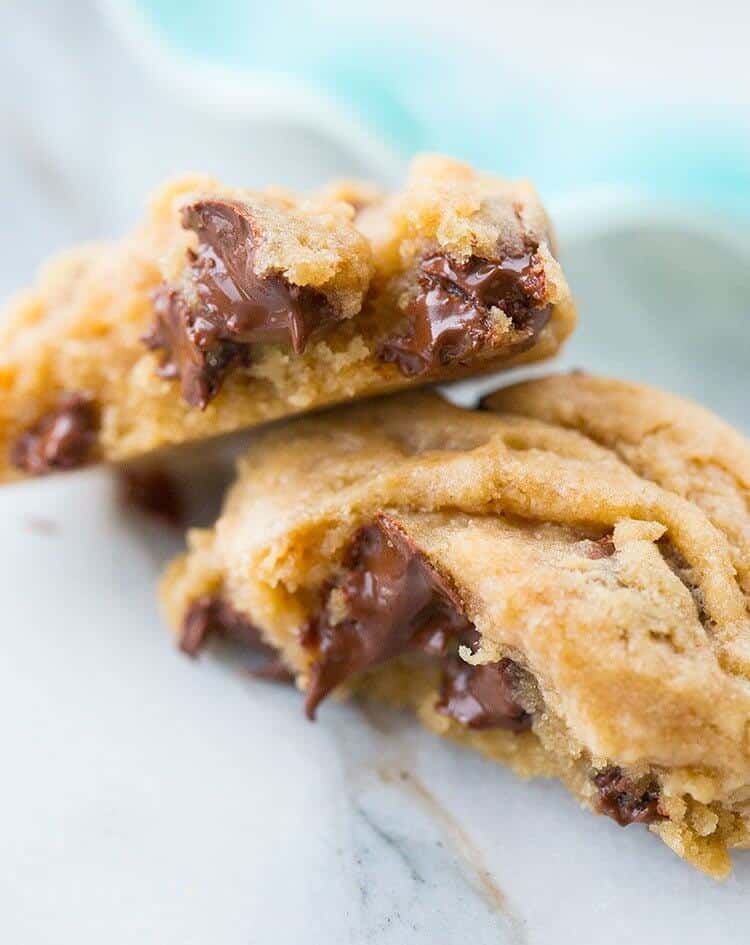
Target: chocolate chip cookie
point(229, 308)
point(559, 581)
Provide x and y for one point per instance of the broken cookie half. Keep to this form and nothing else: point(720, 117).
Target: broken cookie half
point(229, 308)
point(558, 604)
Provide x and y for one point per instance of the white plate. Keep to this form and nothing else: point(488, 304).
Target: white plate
point(148, 798)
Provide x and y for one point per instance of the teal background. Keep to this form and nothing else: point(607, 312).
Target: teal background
point(421, 93)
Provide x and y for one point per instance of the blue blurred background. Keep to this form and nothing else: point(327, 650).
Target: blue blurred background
point(633, 119)
point(651, 96)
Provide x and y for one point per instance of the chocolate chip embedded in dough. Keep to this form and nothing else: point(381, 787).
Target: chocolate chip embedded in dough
point(207, 326)
point(393, 600)
point(622, 800)
point(210, 615)
point(483, 696)
point(453, 314)
point(63, 439)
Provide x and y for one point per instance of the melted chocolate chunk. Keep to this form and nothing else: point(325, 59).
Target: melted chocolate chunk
point(194, 352)
point(211, 615)
point(153, 492)
point(620, 799)
point(63, 439)
point(483, 696)
point(394, 600)
point(451, 317)
point(205, 331)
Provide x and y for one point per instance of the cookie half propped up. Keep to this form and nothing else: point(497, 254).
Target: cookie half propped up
point(574, 609)
point(229, 308)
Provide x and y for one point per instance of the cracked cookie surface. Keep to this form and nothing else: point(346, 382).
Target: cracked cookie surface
point(546, 599)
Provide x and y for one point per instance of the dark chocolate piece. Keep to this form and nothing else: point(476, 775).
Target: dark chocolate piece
point(62, 439)
point(451, 318)
point(193, 351)
point(483, 696)
point(153, 492)
point(211, 615)
point(620, 799)
point(206, 330)
point(395, 600)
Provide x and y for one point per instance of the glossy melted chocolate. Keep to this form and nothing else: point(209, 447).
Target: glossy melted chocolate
point(483, 696)
point(394, 601)
point(229, 306)
point(451, 317)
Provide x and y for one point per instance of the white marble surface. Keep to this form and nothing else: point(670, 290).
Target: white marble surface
point(149, 798)
point(146, 798)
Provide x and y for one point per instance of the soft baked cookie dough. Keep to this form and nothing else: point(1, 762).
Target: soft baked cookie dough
point(229, 308)
point(575, 609)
